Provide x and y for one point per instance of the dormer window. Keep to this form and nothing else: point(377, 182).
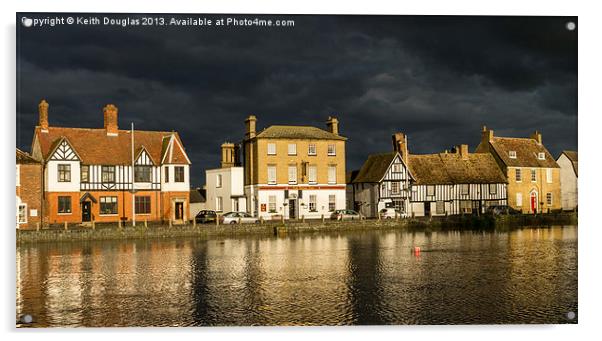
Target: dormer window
point(512, 154)
point(541, 156)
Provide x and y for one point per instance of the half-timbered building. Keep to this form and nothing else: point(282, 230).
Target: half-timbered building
point(108, 174)
point(455, 183)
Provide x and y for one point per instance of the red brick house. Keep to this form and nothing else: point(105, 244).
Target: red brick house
point(88, 174)
point(28, 190)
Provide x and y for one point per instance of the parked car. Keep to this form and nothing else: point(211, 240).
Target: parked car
point(205, 216)
point(501, 209)
point(345, 215)
point(236, 217)
point(391, 213)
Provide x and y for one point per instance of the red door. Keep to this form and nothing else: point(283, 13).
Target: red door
point(533, 202)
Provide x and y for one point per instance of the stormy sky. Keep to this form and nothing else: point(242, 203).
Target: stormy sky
point(438, 79)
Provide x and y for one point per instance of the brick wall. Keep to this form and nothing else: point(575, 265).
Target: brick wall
point(29, 189)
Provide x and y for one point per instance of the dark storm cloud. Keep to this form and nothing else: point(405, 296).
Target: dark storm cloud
point(436, 78)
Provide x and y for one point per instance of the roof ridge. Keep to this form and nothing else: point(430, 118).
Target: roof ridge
point(100, 129)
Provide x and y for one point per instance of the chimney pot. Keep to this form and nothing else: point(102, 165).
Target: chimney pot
point(110, 116)
point(463, 151)
point(228, 155)
point(43, 115)
point(333, 125)
point(536, 136)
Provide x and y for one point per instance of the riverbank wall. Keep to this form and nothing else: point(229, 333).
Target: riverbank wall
point(152, 231)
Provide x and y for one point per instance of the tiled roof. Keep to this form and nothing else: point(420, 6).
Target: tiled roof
point(298, 132)
point(451, 168)
point(94, 146)
point(572, 156)
point(197, 195)
point(23, 157)
point(527, 150)
point(373, 170)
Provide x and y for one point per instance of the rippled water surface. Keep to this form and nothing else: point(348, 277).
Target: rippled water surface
point(524, 276)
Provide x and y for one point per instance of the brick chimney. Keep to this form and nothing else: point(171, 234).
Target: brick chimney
point(333, 125)
point(400, 144)
point(228, 155)
point(43, 112)
point(251, 123)
point(463, 151)
point(536, 136)
point(486, 135)
point(110, 114)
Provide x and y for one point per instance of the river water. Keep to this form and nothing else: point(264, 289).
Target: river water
point(523, 276)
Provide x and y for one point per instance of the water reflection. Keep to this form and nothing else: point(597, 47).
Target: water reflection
point(525, 276)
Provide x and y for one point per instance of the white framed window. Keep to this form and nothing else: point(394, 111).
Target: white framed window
point(108, 205)
point(313, 174)
point(533, 175)
point(394, 187)
point(332, 174)
point(464, 189)
point(166, 174)
point(440, 207)
point(271, 148)
point(332, 202)
point(430, 190)
point(218, 180)
point(313, 199)
point(332, 150)
point(272, 204)
point(518, 175)
point(493, 189)
point(549, 199)
point(64, 173)
point(22, 214)
point(311, 149)
point(549, 178)
point(292, 149)
point(84, 173)
point(541, 156)
point(292, 174)
point(396, 168)
point(64, 205)
point(219, 204)
point(519, 199)
point(466, 206)
point(512, 154)
point(271, 175)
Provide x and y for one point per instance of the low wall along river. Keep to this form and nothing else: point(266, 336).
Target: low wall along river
point(108, 232)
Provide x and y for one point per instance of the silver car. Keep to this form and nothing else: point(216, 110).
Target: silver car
point(345, 215)
point(238, 217)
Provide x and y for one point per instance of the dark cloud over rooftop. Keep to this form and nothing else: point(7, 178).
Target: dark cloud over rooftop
point(438, 79)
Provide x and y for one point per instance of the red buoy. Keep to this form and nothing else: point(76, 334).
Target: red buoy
point(417, 250)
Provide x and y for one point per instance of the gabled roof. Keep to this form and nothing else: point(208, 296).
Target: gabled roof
point(94, 146)
point(24, 158)
point(375, 167)
point(572, 156)
point(298, 132)
point(452, 168)
point(527, 150)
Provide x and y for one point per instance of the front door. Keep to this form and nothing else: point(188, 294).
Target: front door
point(179, 211)
point(292, 209)
point(427, 209)
point(86, 211)
point(533, 202)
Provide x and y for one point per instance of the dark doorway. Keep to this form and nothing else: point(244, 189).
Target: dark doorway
point(86, 211)
point(427, 209)
point(179, 210)
point(292, 209)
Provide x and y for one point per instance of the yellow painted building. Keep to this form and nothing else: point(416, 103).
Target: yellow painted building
point(294, 171)
point(533, 174)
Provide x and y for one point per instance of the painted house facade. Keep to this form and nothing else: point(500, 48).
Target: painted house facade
point(455, 183)
point(225, 185)
point(28, 191)
point(532, 173)
point(569, 176)
point(293, 171)
point(384, 181)
point(88, 174)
